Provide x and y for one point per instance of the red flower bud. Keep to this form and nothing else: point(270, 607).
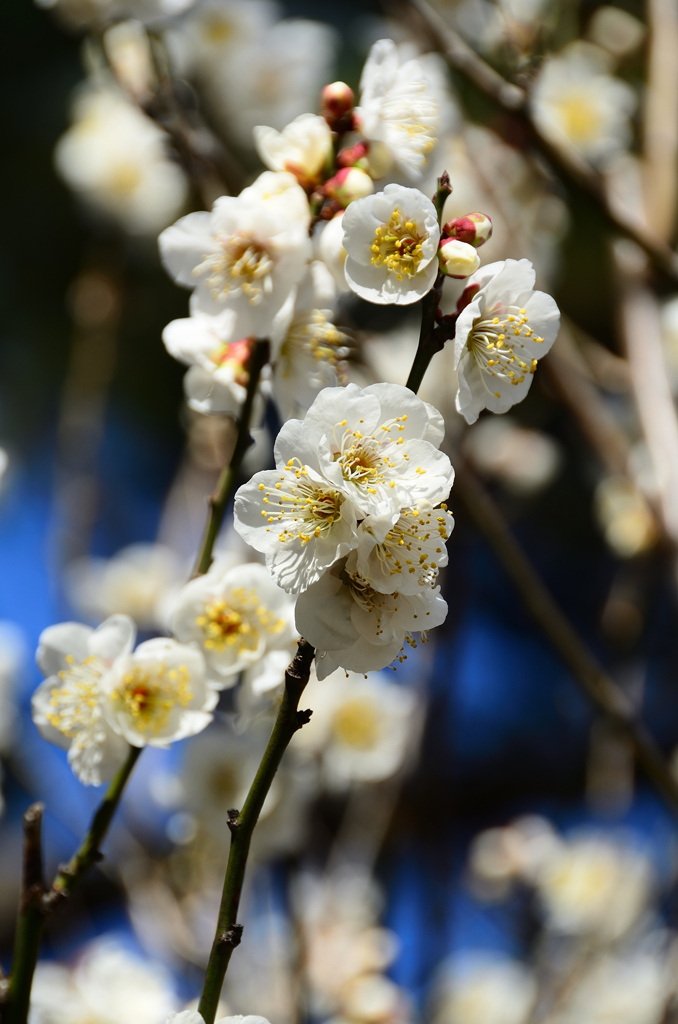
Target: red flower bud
point(474, 229)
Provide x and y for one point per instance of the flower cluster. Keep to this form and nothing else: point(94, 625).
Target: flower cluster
point(348, 521)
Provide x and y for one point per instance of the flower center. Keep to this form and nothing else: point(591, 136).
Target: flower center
point(76, 701)
point(397, 246)
point(367, 460)
point(581, 120)
point(311, 510)
point(238, 265)
point(412, 544)
point(148, 695)
point(495, 342)
point(356, 724)
point(237, 622)
point(234, 356)
point(311, 335)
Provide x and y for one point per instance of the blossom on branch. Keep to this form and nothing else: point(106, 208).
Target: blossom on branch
point(302, 148)
point(68, 708)
point(240, 620)
point(500, 335)
point(392, 240)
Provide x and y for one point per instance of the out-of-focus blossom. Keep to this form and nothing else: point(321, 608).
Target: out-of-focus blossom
point(355, 627)
point(84, 14)
point(108, 984)
point(213, 30)
point(360, 728)
point(116, 159)
point(240, 619)
point(12, 656)
point(594, 886)
point(615, 30)
point(158, 694)
point(310, 357)
point(500, 335)
point(575, 100)
point(128, 50)
point(398, 107)
point(484, 988)
point(500, 856)
point(193, 1017)
point(349, 185)
point(246, 254)
point(669, 327)
point(68, 708)
point(628, 988)
point(328, 242)
point(391, 239)
point(302, 148)
point(137, 581)
point(625, 517)
point(524, 460)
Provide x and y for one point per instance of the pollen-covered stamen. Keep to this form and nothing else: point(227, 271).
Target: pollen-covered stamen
point(367, 460)
point(414, 544)
point(235, 356)
point(496, 343)
point(371, 600)
point(397, 246)
point(237, 621)
point(312, 334)
point(75, 701)
point(238, 265)
point(310, 510)
point(149, 695)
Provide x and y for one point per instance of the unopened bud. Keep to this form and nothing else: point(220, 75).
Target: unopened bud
point(467, 296)
point(336, 100)
point(373, 157)
point(348, 184)
point(474, 228)
point(457, 259)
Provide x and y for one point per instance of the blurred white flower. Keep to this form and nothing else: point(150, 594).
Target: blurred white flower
point(68, 708)
point(246, 255)
point(524, 460)
point(302, 148)
point(12, 657)
point(485, 989)
point(575, 100)
point(500, 856)
point(669, 329)
point(355, 627)
point(392, 240)
point(361, 729)
point(623, 514)
point(398, 107)
point(213, 30)
point(328, 242)
point(117, 160)
point(193, 1017)
point(84, 14)
point(616, 30)
point(591, 885)
point(158, 694)
point(137, 581)
point(500, 335)
point(239, 618)
point(108, 984)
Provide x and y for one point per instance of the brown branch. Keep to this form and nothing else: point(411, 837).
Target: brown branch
point(514, 103)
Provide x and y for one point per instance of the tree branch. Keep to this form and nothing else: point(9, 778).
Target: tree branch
point(228, 933)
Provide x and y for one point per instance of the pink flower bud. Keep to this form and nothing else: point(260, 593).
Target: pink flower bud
point(474, 228)
point(348, 184)
point(337, 100)
point(468, 295)
point(457, 259)
point(352, 155)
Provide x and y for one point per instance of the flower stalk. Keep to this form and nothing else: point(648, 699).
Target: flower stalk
point(242, 823)
point(218, 502)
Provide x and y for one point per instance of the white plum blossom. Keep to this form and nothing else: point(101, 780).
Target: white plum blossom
point(69, 707)
point(576, 100)
point(193, 1017)
point(485, 987)
point(403, 551)
point(360, 729)
point(116, 159)
point(108, 984)
point(357, 452)
point(399, 107)
point(158, 694)
point(247, 254)
point(355, 627)
point(240, 619)
point(218, 356)
point(328, 242)
point(83, 14)
point(135, 581)
point(391, 240)
point(302, 148)
point(282, 189)
point(499, 336)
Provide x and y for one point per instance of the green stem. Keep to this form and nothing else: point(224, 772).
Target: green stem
point(228, 481)
point(228, 933)
point(36, 905)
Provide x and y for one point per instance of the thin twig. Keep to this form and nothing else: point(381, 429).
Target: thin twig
point(228, 933)
point(36, 904)
point(660, 123)
point(514, 102)
point(228, 481)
